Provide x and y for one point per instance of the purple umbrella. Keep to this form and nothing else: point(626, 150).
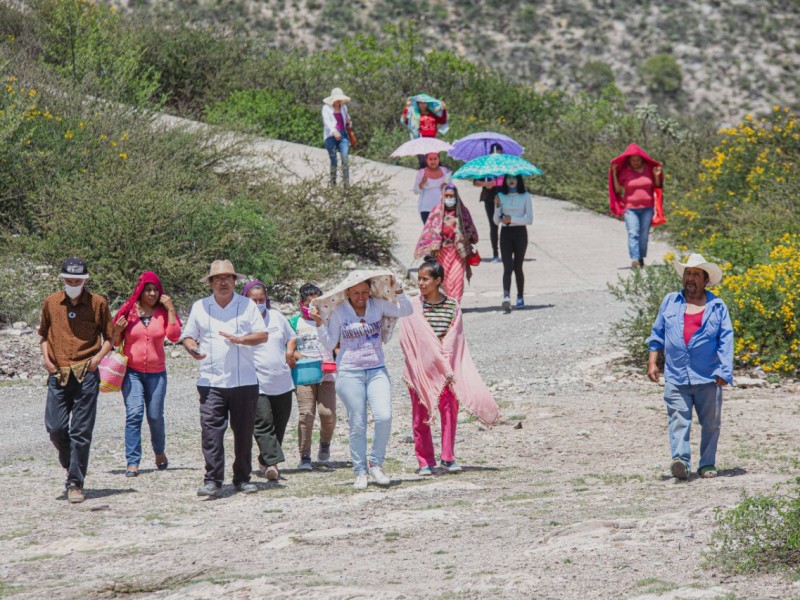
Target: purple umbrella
point(478, 144)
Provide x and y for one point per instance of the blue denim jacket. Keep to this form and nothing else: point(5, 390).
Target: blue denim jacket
point(710, 351)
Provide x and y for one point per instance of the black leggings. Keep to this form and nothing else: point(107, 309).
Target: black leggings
point(513, 243)
point(487, 197)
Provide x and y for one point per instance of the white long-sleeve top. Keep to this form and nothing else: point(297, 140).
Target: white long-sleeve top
point(359, 338)
point(329, 121)
point(517, 206)
point(431, 193)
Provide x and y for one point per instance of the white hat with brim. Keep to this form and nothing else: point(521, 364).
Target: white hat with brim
point(696, 261)
point(222, 267)
point(336, 94)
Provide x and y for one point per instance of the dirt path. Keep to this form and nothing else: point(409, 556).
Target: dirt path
point(568, 498)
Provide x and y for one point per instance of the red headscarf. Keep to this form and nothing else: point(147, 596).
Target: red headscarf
point(615, 201)
point(130, 303)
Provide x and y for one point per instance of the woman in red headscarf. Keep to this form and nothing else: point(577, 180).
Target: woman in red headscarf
point(634, 191)
point(146, 318)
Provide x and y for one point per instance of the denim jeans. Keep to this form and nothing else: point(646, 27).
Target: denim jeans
point(357, 389)
point(144, 393)
point(637, 222)
point(343, 146)
point(69, 418)
point(706, 399)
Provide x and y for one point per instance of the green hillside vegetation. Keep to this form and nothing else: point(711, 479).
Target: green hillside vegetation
point(731, 194)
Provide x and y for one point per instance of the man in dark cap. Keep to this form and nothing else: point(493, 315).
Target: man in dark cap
point(76, 333)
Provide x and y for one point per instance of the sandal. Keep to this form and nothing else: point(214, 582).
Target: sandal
point(708, 472)
point(679, 469)
point(132, 471)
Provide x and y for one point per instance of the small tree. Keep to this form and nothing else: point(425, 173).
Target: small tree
point(596, 75)
point(662, 75)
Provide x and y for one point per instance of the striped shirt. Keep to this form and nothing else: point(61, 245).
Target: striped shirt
point(440, 316)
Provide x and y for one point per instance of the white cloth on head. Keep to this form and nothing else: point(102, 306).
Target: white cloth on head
point(274, 374)
point(226, 365)
point(382, 284)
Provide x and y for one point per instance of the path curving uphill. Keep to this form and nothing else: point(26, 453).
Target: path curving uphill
point(568, 497)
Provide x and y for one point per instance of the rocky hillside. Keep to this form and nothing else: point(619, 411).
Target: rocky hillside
point(719, 57)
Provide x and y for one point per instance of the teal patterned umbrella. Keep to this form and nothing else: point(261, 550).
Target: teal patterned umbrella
point(496, 165)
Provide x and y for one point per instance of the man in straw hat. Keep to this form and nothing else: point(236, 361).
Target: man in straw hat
point(220, 334)
point(75, 334)
point(694, 330)
point(335, 121)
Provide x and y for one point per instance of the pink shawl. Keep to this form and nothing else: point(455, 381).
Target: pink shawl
point(430, 240)
point(433, 364)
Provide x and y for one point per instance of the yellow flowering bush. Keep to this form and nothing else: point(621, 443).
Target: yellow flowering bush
point(745, 198)
point(764, 302)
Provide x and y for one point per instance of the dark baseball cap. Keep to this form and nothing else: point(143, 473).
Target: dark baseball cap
point(74, 268)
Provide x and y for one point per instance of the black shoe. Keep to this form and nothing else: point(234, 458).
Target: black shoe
point(210, 489)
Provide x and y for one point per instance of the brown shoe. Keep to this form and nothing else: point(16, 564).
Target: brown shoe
point(161, 462)
point(272, 473)
point(634, 264)
point(75, 495)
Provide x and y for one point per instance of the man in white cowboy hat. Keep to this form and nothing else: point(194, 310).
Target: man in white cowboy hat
point(693, 328)
point(75, 334)
point(335, 121)
point(220, 334)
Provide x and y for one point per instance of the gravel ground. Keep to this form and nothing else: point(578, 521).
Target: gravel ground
point(568, 497)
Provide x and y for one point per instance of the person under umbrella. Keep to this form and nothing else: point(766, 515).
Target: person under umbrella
point(490, 186)
point(429, 183)
point(513, 212)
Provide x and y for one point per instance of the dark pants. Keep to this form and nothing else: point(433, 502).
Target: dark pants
point(513, 243)
point(215, 406)
point(487, 197)
point(424, 215)
point(272, 415)
point(69, 418)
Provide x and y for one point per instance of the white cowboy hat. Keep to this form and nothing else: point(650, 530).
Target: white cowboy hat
point(336, 94)
point(696, 261)
point(222, 267)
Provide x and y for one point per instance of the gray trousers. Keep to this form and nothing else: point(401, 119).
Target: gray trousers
point(69, 418)
point(216, 405)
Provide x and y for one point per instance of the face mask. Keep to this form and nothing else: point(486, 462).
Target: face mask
point(449, 202)
point(73, 291)
point(304, 311)
point(262, 308)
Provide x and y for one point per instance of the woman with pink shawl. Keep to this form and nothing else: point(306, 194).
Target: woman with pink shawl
point(439, 370)
point(635, 182)
point(449, 234)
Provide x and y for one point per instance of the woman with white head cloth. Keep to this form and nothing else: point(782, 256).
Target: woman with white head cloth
point(359, 315)
point(335, 121)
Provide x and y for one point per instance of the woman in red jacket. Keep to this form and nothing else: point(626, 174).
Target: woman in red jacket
point(146, 318)
point(423, 119)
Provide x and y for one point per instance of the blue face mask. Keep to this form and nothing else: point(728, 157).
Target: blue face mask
point(262, 308)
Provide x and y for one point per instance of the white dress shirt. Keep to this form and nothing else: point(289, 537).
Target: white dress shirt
point(226, 365)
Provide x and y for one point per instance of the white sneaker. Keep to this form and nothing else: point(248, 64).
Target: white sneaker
point(379, 476)
point(361, 481)
point(506, 304)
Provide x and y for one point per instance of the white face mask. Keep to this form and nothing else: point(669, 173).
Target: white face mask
point(449, 202)
point(73, 291)
point(262, 308)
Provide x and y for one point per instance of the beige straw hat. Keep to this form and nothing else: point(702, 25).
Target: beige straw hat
point(222, 267)
point(336, 94)
point(696, 261)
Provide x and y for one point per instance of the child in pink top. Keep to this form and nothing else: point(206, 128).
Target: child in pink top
point(141, 325)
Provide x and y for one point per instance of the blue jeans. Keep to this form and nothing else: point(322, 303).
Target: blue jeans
point(357, 389)
point(706, 399)
point(144, 392)
point(343, 146)
point(637, 222)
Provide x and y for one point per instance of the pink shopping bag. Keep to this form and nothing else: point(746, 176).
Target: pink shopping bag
point(112, 371)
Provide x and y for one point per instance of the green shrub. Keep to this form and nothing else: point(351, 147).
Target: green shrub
point(761, 533)
point(596, 75)
point(642, 292)
point(662, 75)
point(88, 41)
point(270, 112)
